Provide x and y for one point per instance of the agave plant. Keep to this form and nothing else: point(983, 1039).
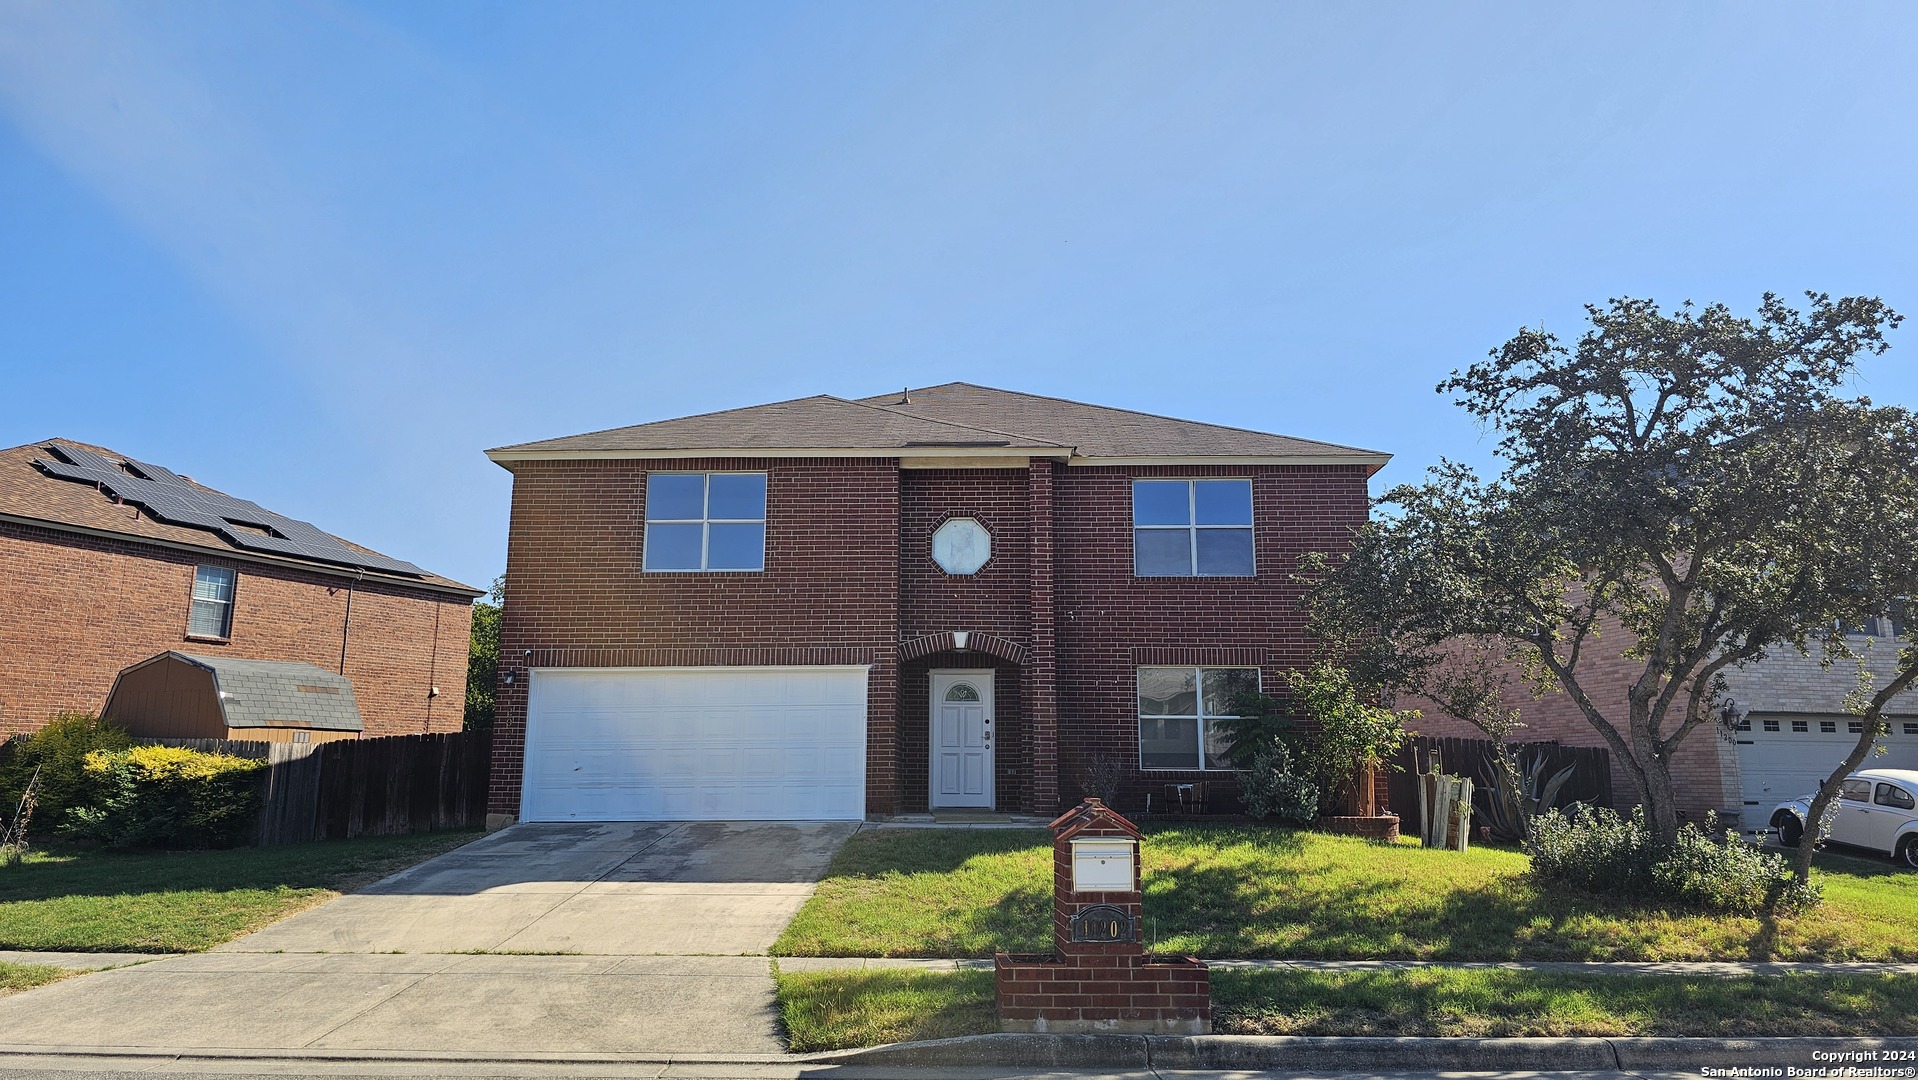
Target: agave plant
point(1508, 813)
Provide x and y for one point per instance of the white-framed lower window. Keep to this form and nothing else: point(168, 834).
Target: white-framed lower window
point(705, 521)
point(211, 612)
point(1178, 711)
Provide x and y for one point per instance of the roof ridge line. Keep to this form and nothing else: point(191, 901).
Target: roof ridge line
point(1152, 416)
point(1035, 440)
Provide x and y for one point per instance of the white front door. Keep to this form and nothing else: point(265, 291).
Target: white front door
point(961, 739)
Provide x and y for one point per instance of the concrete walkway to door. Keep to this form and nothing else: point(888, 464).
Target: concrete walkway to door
point(543, 938)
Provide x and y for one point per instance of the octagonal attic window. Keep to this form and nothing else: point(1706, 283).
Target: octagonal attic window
point(961, 546)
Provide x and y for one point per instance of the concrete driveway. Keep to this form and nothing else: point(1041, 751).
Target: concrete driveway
point(544, 938)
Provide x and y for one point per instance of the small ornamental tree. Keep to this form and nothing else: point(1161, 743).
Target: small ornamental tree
point(1355, 737)
point(1259, 725)
point(1691, 481)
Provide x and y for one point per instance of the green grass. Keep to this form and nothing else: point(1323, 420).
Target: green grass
point(27, 976)
point(836, 1010)
point(1507, 1003)
point(842, 1009)
point(98, 901)
point(1253, 892)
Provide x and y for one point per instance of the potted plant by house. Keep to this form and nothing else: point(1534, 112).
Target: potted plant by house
point(1355, 741)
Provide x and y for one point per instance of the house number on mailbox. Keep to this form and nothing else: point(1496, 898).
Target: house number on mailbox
point(1102, 922)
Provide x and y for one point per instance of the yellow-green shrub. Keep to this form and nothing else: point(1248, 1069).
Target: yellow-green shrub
point(169, 796)
point(59, 752)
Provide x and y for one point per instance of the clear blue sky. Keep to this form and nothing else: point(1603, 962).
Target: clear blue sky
point(321, 255)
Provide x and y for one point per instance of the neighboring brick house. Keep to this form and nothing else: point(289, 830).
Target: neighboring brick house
point(106, 561)
point(1789, 728)
point(955, 597)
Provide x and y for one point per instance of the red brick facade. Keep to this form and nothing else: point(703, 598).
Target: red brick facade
point(78, 608)
point(849, 579)
point(1112, 623)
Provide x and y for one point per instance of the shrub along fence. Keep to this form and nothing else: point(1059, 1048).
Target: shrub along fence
point(1586, 772)
point(364, 787)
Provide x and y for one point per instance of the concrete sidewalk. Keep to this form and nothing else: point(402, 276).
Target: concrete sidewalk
point(79, 961)
point(481, 1005)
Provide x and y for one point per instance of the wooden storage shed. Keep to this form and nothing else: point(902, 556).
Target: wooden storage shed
point(177, 696)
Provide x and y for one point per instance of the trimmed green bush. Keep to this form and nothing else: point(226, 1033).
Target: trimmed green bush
point(168, 796)
point(1598, 851)
point(59, 751)
point(1269, 788)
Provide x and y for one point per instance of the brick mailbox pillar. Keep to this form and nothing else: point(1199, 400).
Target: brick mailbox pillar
point(1098, 977)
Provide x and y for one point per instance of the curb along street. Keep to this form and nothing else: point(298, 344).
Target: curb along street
point(1227, 1052)
point(1143, 1052)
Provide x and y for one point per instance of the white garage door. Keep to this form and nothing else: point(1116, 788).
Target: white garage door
point(676, 744)
point(1784, 756)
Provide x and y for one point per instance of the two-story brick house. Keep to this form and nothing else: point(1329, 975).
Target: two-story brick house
point(107, 561)
point(943, 598)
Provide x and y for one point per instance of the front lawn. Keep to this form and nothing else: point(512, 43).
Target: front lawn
point(1224, 891)
point(840, 1009)
point(96, 901)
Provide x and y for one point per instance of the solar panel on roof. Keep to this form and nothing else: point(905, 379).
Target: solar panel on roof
point(170, 498)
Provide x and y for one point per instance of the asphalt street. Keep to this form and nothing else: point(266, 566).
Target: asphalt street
point(85, 1069)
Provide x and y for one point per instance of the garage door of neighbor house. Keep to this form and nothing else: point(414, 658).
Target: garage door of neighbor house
point(675, 744)
point(1782, 764)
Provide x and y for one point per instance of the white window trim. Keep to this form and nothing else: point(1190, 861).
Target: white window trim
point(705, 523)
point(194, 600)
point(1199, 713)
point(1192, 525)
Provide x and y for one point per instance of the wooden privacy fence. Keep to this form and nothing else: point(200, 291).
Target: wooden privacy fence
point(365, 787)
point(1589, 781)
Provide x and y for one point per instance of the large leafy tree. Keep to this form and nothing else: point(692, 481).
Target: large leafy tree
point(482, 661)
point(1688, 488)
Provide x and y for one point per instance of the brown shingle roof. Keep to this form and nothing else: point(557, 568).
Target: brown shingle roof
point(814, 423)
point(29, 494)
point(1099, 431)
point(956, 415)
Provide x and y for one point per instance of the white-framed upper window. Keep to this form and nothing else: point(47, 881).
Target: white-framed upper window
point(211, 614)
point(1192, 528)
point(705, 521)
point(1178, 708)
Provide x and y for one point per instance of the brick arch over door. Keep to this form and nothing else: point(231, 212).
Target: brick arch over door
point(985, 644)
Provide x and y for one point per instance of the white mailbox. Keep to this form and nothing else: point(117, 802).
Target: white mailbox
point(1103, 865)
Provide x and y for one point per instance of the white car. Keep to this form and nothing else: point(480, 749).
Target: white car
point(1876, 809)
